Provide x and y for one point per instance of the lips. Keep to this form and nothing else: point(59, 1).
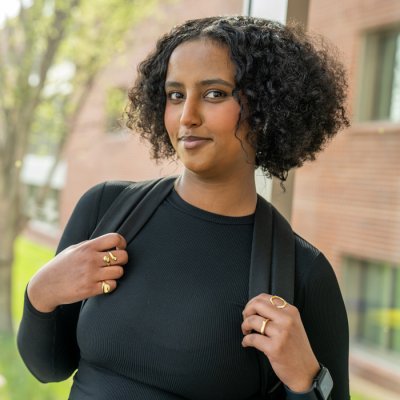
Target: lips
point(193, 142)
point(192, 138)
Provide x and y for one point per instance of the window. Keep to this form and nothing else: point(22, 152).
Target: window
point(372, 295)
point(116, 101)
point(34, 174)
point(48, 212)
point(380, 77)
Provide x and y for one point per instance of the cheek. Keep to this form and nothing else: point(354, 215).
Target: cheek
point(228, 117)
point(170, 119)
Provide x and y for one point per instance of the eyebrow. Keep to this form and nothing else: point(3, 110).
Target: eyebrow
point(201, 83)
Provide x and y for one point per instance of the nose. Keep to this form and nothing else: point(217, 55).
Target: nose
point(191, 113)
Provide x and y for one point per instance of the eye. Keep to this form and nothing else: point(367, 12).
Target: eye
point(174, 96)
point(215, 94)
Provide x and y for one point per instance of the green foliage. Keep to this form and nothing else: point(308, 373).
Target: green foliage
point(97, 33)
point(48, 126)
point(357, 396)
point(19, 383)
point(29, 257)
point(115, 104)
point(47, 35)
point(99, 30)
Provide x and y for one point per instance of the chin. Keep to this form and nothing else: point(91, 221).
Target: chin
point(197, 169)
point(195, 165)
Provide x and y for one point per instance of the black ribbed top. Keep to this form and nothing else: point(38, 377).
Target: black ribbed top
point(173, 325)
point(171, 330)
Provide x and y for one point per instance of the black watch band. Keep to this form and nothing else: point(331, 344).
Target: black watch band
point(323, 383)
point(321, 388)
point(311, 395)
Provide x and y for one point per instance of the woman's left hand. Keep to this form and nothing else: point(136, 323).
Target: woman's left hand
point(284, 340)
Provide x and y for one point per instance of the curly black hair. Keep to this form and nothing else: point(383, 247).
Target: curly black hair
point(295, 89)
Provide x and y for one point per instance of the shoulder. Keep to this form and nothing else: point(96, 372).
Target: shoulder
point(306, 253)
point(98, 198)
point(101, 196)
point(111, 189)
point(313, 270)
point(105, 190)
point(89, 210)
point(91, 207)
point(308, 257)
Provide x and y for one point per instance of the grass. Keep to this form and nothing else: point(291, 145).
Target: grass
point(18, 383)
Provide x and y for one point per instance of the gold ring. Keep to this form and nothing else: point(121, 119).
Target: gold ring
point(263, 326)
point(283, 302)
point(112, 256)
point(105, 287)
point(106, 259)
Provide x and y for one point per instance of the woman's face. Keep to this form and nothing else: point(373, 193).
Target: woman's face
point(201, 115)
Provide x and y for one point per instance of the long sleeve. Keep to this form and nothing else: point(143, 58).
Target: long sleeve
point(47, 341)
point(325, 320)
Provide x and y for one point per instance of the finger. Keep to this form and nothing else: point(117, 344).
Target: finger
point(114, 257)
point(107, 286)
point(113, 272)
point(122, 242)
point(260, 342)
point(261, 306)
point(255, 323)
point(272, 301)
point(108, 241)
point(278, 302)
point(264, 296)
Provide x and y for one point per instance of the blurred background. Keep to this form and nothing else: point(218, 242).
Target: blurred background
point(65, 68)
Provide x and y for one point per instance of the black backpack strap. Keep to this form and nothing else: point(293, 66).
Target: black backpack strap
point(272, 255)
point(282, 284)
point(271, 271)
point(149, 203)
point(133, 207)
point(261, 252)
point(283, 258)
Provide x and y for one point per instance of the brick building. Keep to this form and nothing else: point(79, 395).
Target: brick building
point(347, 203)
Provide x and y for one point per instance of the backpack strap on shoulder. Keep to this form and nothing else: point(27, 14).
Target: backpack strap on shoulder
point(133, 207)
point(272, 270)
point(261, 251)
point(273, 254)
point(144, 209)
point(283, 258)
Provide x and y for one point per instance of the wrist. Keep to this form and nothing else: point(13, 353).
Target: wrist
point(304, 383)
point(37, 301)
point(304, 395)
point(320, 390)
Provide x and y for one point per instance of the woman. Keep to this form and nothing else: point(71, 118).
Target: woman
point(168, 314)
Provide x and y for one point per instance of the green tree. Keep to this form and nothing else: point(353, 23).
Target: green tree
point(78, 37)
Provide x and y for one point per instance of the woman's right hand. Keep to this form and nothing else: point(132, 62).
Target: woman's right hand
point(78, 272)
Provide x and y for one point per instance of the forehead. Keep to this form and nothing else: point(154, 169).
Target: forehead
point(200, 59)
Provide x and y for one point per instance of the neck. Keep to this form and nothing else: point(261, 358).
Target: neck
point(229, 196)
